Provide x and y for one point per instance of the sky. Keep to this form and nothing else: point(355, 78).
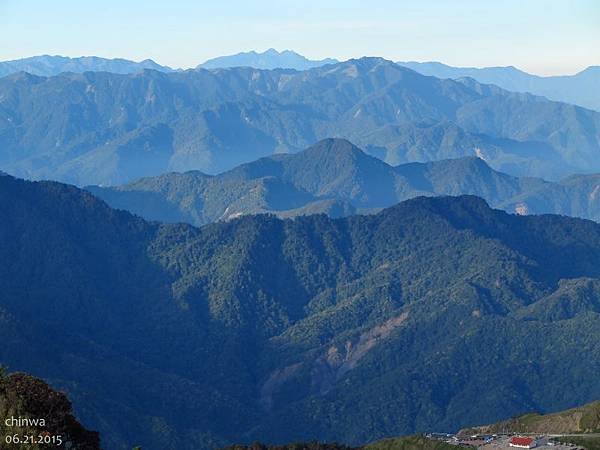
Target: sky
point(551, 37)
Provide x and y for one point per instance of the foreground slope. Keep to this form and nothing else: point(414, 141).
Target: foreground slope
point(343, 330)
point(101, 128)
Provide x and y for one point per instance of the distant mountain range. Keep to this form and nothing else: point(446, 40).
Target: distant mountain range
point(581, 89)
point(46, 65)
point(270, 59)
point(260, 329)
point(103, 128)
point(336, 178)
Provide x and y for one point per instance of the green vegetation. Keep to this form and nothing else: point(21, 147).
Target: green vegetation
point(294, 446)
point(341, 330)
point(589, 443)
point(332, 177)
point(416, 442)
point(410, 443)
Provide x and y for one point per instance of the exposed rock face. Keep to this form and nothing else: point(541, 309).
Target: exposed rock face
point(522, 209)
point(330, 367)
point(338, 361)
point(276, 380)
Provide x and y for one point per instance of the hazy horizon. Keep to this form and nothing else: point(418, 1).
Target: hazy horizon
point(309, 57)
point(536, 37)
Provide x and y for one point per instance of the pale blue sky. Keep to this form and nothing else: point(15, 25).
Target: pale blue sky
point(544, 37)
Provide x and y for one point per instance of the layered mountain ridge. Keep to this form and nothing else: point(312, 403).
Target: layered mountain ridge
point(101, 128)
point(336, 178)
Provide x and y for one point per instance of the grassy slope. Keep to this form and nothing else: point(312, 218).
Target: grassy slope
point(583, 419)
point(589, 443)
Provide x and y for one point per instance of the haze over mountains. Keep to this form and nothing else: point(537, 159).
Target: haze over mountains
point(103, 128)
point(336, 178)
point(581, 89)
point(173, 337)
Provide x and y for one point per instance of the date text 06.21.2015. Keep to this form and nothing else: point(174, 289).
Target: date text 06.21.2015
point(33, 439)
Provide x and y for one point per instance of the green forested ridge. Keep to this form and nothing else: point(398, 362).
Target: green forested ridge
point(421, 317)
point(106, 128)
point(336, 178)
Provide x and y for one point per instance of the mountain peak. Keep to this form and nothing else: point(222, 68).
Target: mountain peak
point(268, 60)
point(339, 152)
point(358, 67)
point(462, 211)
point(330, 145)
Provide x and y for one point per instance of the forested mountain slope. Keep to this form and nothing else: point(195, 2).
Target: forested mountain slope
point(336, 178)
point(347, 330)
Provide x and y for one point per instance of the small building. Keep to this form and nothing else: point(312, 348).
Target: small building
point(522, 442)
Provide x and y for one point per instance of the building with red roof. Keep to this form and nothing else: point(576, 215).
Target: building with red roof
point(522, 442)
